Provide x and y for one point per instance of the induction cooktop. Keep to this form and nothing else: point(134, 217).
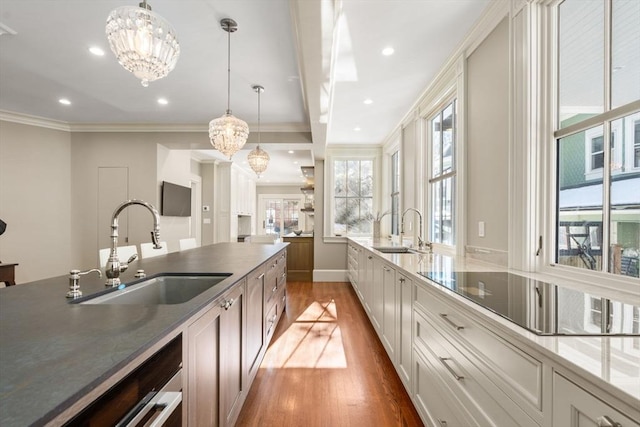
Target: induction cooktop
point(540, 307)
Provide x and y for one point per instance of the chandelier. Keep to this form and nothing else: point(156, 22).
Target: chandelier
point(228, 134)
point(258, 158)
point(144, 43)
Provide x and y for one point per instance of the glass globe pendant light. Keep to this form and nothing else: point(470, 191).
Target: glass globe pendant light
point(258, 158)
point(228, 134)
point(144, 43)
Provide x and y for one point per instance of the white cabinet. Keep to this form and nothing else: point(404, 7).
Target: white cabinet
point(575, 407)
point(389, 332)
point(376, 297)
point(235, 194)
point(405, 327)
point(365, 279)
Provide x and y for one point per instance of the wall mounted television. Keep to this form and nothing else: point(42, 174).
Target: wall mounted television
point(176, 200)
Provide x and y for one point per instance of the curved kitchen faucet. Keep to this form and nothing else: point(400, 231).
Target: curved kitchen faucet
point(421, 243)
point(114, 266)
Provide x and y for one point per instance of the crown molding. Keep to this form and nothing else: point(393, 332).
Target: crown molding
point(30, 120)
point(26, 119)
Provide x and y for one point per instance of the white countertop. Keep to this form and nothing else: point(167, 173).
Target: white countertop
point(612, 362)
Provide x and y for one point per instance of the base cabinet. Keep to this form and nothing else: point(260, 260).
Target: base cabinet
point(203, 358)
point(216, 384)
point(575, 407)
point(405, 327)
point(255, 320)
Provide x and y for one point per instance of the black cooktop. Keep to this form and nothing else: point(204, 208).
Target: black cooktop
point(540, 307)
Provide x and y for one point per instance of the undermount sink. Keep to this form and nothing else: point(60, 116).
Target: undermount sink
point(393, 249)
point(167, 288)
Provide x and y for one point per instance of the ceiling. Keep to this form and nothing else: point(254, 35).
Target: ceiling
point(317, 60)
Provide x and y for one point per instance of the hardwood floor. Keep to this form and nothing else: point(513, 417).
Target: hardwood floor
point(326, 367)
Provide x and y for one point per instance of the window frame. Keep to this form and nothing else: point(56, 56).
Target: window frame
point(442, 176)
point(548, 33)
point(342, 154)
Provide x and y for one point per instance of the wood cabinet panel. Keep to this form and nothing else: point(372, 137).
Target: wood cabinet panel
point(232, 380)
point(255, 319)
point(299, 258)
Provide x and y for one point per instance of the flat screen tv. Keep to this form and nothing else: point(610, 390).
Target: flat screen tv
point(176, 200)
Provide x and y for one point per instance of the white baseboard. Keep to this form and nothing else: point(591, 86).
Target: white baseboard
point(330, 276)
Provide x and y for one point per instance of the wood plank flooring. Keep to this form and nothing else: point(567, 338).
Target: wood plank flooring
point(326, 367)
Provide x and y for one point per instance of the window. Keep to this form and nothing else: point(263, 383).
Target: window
point(280, 214)
point(597, 209)
point(352, 197)
point(395, 193)
point(442, 181)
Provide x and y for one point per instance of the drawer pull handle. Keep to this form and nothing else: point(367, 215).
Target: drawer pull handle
point(605, 421)
point(444, 360)
point(402, 281)
point(260, 277)
point(226, 304)
point(164, 401)
point(442, 423)
point(446, 319)
point(275, 288)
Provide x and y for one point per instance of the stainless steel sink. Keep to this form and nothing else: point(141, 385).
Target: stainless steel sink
point(169, 288)
point(393, 249)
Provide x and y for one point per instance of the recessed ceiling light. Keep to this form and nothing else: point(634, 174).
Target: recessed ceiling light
point(96, 51)
point(357, 129)
point(291, 151)
point(368, 101)
point(64, 101)
point(387, 51)
point(163, 101)
point(295, 162)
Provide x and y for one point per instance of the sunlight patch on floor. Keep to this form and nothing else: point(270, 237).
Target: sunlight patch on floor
point(314, 340)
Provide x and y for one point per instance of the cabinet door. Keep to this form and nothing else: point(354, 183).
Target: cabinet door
point(404, 344)
point(255, 317)
point(232, 381)
point(376, 295)
point(202, 379)
point(575, 407)
point(389, 311)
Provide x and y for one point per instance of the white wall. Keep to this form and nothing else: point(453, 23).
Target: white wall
point(173, 166)
point(487, 183)
point(35, 202)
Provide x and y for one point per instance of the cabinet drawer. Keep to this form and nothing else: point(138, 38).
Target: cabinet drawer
point(488, 404)
point(434, 401)
point(514, 369)
point(271, 320)
point(575, 407)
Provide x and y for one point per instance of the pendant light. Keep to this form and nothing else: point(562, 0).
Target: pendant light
point(258, 158)
point(228, 134)
point(144, 43)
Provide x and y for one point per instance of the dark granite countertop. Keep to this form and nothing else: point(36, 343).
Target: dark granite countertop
point(53, 352)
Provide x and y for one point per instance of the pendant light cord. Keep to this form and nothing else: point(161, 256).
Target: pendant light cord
point(259, 133)
point(228, 69)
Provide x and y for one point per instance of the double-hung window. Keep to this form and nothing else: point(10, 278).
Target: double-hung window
point(395, 193)
point(352, 204)
point(597, 208)
point(442, 178)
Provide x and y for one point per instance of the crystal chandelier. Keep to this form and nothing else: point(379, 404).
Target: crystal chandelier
point(258, 158)
point(228, 134)
point(143, 42)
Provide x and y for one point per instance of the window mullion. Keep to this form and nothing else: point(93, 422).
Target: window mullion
point(606, 170)
point(606, 197)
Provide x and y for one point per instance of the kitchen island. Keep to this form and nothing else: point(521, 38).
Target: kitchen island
point(56, 356)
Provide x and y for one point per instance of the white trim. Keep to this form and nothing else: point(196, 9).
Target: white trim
point(330, 275)
point(44, 122)
point(353, 153)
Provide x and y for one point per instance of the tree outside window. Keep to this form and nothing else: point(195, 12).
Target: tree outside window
point(352, 197)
